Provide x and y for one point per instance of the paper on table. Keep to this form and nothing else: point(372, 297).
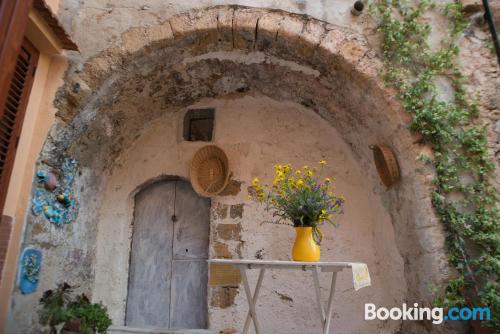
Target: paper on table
point(360, 275)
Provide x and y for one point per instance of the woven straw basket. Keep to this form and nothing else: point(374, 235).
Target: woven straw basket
point(209, 171)
point(387, 165)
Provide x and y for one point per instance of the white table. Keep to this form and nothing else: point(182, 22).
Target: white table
point(243, 265)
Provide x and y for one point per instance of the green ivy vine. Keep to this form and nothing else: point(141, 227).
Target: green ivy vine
point(464, 195)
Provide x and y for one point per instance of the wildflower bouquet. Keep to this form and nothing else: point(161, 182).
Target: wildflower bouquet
point(300, 197)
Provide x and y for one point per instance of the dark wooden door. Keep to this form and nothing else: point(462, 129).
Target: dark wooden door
point(168, 269)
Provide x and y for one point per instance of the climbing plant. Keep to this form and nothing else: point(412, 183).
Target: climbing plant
point(464, 195)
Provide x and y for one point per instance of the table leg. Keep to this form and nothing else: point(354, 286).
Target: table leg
point(255, 296)
point(251, 301)
point(326, 327)
point(318, 292)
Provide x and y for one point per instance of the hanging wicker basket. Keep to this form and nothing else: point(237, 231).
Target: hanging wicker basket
point(209, 171)
point(387, 164)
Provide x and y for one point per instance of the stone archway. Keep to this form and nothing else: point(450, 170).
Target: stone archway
point(233, 51)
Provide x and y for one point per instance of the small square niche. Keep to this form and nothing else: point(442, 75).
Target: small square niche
point(199, 124)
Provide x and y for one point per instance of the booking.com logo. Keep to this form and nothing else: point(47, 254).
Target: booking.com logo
point(436, 314)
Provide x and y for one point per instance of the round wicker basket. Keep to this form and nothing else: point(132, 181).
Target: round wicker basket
point(387, 165)
point(209, 171)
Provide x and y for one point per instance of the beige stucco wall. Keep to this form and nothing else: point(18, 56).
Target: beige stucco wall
point(53, 4)
point(39, 118)
point(256, 133)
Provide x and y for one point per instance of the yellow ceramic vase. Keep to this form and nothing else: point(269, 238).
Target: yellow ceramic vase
point(305, 248)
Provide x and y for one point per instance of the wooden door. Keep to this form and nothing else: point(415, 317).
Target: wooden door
point(151, 257)
point(168, 269)
point(189, 264)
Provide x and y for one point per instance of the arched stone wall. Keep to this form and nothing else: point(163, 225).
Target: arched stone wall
point(234, 51)
point(257, 132)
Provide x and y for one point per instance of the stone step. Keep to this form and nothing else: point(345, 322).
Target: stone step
point(132, 330)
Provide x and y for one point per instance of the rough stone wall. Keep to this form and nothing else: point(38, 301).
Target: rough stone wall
point(312, 60)
point(70, 249)
point(106, 104)
point(480, 65)
point(256, 133)
point(126, 78)
point(96, 25)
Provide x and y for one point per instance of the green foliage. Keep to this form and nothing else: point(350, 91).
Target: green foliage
point(54, 303)
point(464, 196)
point(59, 307)
point(93, 316)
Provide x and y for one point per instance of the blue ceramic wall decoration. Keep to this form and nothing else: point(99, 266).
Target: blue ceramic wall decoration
point(48, 179)
point(66, 198)
point(54, 198)
point(69, 169)
point(42, 176)
point(29, 271)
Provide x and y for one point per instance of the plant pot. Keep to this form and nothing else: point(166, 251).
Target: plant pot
point(305, 248)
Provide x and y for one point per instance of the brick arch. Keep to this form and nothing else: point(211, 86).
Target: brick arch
point(334, 61)
point(327, 48)
point(229, 50)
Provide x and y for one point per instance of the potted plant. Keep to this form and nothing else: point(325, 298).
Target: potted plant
point(76, 314)
point(301, 198)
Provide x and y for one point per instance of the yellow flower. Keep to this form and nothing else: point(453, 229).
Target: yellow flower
point(328, 180)
point(299, 182)
point(298, 172)
point(309, 173)
point(322, 162)
point(249, 197)
point(255, 181)
point(305, 167)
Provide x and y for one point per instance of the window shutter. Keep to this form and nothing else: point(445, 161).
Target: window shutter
point(13, 102)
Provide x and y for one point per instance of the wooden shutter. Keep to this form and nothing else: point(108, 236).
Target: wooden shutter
point(15, 99)
point(13, 22)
